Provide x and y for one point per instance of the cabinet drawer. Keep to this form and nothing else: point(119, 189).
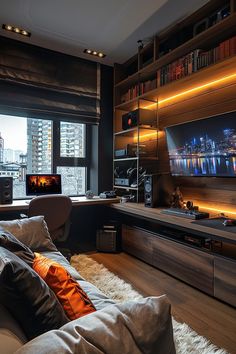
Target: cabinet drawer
point(225, 280)
point(186, 263)
point(137, 242)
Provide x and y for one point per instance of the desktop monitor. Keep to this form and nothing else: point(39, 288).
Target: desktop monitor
point(41, 184)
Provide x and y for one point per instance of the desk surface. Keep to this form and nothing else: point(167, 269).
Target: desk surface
point(23, 204)
point(155, 214)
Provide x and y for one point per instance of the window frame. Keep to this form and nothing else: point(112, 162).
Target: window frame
point(59, 161)
point(56, 159)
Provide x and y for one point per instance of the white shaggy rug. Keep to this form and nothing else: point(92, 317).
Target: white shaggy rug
point(187, 341)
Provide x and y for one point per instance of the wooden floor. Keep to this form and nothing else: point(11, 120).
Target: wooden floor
point(206, 315)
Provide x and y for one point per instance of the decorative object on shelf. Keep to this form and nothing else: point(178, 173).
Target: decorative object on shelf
point(141, 173)
point(140, 116)
point(177, 200)
point(200, 26)
point(127, 198)
point(108, 194)
point(89, 194)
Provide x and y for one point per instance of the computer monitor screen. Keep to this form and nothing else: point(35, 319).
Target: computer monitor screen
point(40, 184)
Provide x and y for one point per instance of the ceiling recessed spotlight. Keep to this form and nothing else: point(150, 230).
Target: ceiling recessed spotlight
point(16, 30)
point(95, 53)
point(25, 33)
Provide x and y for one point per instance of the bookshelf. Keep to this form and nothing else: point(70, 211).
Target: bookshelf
point(214, 52)
point(206, 48)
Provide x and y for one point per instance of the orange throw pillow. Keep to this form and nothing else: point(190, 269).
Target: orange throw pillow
point(74, 300)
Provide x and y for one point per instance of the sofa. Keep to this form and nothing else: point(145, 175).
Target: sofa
point(141, 326)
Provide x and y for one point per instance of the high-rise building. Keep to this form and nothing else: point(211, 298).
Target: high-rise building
point(72, 139)
point(1, 148)
point(39, 143)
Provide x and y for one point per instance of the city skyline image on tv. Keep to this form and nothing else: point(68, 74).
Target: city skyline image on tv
point(205, 147)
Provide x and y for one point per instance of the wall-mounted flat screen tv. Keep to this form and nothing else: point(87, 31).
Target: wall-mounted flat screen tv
point(41, 184)
point(205, 147)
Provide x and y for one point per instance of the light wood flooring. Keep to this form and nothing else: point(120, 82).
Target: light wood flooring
point(207, 316)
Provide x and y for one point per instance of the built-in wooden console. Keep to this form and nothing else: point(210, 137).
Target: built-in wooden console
point(203, 257)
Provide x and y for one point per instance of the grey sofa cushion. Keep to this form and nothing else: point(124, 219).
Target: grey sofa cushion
point(11, 243)
point(134, 327)
point(11, 335)
point(33, 232)
point(27, 297)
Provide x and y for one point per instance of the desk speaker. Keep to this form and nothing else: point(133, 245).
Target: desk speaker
point(151, 190)
point(6, 190)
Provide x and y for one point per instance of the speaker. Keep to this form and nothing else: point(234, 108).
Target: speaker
point(139, 116)
point(6, 190)
point(108, 239)
point(151, 190)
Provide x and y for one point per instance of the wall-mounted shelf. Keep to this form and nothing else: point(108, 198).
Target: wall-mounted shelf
point(135, 147)
point(203, 90)
point(205, 40)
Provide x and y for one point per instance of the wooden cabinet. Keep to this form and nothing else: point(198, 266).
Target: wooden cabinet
point(225, 280)
point(208, 272)
point(138, 243)
point(188, 264)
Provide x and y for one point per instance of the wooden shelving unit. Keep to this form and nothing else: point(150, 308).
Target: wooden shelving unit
point(150, 59)
point(207, 39)
point(135, 147)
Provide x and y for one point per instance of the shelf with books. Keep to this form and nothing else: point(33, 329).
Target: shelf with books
point(219, 70)
point(208, 47)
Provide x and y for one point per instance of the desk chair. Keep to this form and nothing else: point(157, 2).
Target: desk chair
point(56, 210)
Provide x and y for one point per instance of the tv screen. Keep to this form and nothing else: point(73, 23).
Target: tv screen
point(206, 147)
point(38, 184)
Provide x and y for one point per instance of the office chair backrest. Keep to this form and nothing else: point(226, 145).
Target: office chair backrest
point(56, 211)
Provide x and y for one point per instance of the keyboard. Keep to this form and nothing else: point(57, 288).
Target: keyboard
point(185, 213)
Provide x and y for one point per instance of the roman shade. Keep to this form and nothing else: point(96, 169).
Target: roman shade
point(36, 80)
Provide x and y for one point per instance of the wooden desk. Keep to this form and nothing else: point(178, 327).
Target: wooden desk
point(163, 241)
point(23, 204)
point(155, 214)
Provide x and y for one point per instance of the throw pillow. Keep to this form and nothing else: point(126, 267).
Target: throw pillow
point(27, 297)
point(74, 300)
point(140, 327)
point(33, 232)
point(11, 243)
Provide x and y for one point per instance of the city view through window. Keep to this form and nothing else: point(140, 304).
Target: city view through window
point(26, 147)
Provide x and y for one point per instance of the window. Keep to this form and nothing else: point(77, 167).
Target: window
point(32, 145)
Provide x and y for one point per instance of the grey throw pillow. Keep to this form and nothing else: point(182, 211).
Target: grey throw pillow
point(137, 327)
point(27, 297)
point(33, 232)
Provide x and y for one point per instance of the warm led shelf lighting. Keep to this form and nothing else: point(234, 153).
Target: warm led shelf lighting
point(199, 88)
point(202, 206)
point(144, 137)
point(16, 30)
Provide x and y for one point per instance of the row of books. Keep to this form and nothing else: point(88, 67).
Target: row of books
point(188, 64)
point(132, 92)
point(195, 61)
point(148, 86)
